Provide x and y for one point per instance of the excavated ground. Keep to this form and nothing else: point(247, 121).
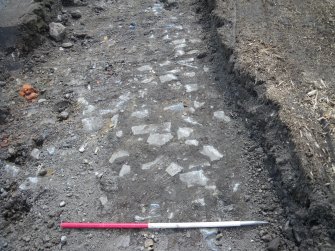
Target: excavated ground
point(144, 118)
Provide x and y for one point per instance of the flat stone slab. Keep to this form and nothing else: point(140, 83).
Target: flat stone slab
point(212, 153)
point(174, 169)
point(158, 139)
point(151, 128)
point(195, 178)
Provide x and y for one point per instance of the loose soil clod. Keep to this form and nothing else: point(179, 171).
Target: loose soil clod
point(28, 92)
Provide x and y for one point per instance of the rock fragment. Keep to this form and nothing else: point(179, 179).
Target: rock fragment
point(92, 124)
point(144, 68)
point(158, 139)
point(148, 165)
point(42, 172)
point(194, 178)
point(140, 114)
point(191, 87)
point(211, 152)
point(220, 115)
point(179, 107)
point(148, 243)
point(67, 45)
point(184, 132)
point(173, 169)
point(167, 78)
point(151, 128)
point(29, 183)
point(274, 244)
point(63, 240)
point(35, 153)
point(57, 31)
point(192, 142)
point(76, 14)
point(64, 115)
point(125, 169)
point(118, 155)
point(103, 200)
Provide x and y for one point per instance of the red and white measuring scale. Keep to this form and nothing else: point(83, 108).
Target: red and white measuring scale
point(114, 225)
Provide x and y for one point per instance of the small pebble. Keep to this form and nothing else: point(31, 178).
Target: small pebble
point(266, 238)
point(82, 148)
point(76, 14)
point(63, 116)
point(35, 153)
point(42, 172)
point(67, 45)
point(148, 243)
point(63, 240)
point(62, 204)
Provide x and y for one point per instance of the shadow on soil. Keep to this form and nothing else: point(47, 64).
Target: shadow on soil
point(310, 219)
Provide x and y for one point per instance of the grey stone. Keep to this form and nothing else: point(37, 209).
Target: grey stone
point(62, 204)
point(184, 132)
point(76, 14)
point(29, 183)
point(179, 41)
point(57, 31)
point(274, 244)
point(103, 200)
point(42, 172)
point(173, 169)
point(220, 115)
point(175, 108)
point(148, 243)
point(63, 116)
point(118, 155)
point(191, 120)
point(191, 87)
point(148, 165)
point(190, 74)
point(89, 109)
point(211, 152)
point(67, 45)
point(266, 238)
point(194, 178)
point(125, 169)
point(119, 134)
point(192, 142)
point(167, 78)
point(151, 128)
point(140, 114)
point(158, 139)
point(63, 240)
point(35, 153)
point(42, 100)
point(12, 169)
point(115, 120)
point(201, 164)
point(200, 201)
point(82, 148)
point(144, 68)
point(92, 124)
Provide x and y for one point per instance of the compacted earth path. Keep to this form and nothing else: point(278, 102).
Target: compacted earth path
point(132, 124)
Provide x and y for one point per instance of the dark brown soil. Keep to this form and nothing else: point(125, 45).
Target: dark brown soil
point(279, 53)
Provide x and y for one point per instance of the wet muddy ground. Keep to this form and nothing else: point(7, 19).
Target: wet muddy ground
point(137, 120)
